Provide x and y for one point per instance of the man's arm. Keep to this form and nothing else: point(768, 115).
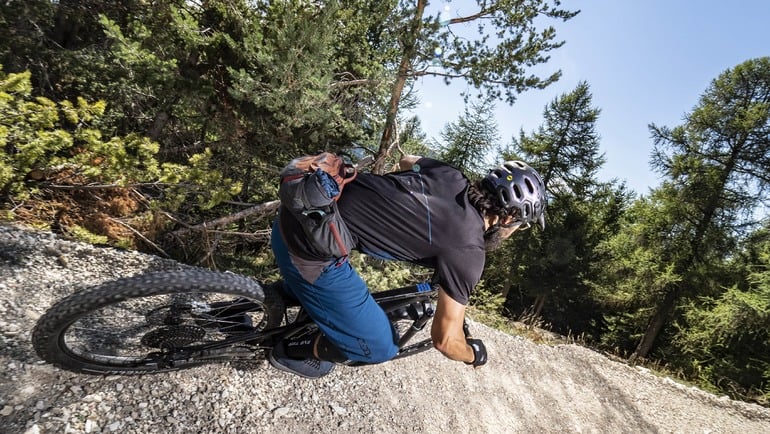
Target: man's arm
point(447, 329)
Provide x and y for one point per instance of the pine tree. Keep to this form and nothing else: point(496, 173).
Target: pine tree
point(468, 140)
point(716, 165)
point(728, 336)
point(555, 266)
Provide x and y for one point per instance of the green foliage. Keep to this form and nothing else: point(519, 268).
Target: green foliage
point(497, 70)
point(42, 139)
point(672, 282)
point(32, 137)
point(547, 273)
point(714, 163)
point(566, 146)
point(634, 273)
point(381, 275)
point(487, 299)
point(718, 159)
point(726, 338)
point(728, 345)
point(82, 234)
point(207, 187)
point(290, 73)
point(470, 138)
point(413, 139)
point(20, 38)
point(495, 62)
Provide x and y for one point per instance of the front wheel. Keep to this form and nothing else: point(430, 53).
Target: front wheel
point(157, 322)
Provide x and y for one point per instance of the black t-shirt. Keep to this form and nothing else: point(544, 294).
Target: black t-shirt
point(421, 216)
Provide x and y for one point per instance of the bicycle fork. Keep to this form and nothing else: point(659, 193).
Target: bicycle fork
point(421, 312)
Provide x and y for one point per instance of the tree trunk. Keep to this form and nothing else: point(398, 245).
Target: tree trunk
point(656, 324)
point(516, 259)
point(404, 69)
point(161, 119)
point(507, 285)
point(66, 30)
point(537, 307)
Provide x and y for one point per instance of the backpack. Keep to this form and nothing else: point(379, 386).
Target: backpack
point(309, 190)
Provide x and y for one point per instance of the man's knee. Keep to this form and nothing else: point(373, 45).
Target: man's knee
point(374, 351)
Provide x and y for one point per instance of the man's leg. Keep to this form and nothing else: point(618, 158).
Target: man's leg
point(340, 303)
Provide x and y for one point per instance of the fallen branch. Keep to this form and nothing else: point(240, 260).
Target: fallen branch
point(263, 208)
point(263, 234)
point(99, 186)
point(155, 246)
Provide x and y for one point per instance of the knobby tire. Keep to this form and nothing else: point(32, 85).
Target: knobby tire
point(157, 316)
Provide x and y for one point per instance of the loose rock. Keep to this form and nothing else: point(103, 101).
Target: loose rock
point(524, 388)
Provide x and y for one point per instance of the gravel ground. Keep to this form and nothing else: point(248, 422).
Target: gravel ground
point(525, 387)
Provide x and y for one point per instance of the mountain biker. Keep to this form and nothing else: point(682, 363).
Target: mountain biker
point(427, 213)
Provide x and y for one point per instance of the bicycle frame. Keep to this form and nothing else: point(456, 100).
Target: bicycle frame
point(409, 302)
point(414, 299)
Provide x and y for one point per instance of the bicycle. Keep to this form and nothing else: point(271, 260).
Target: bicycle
point(171, 320)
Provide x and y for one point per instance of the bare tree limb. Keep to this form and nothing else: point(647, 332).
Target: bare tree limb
point(99, 186)
point(212, 246)
point(263, 208)
point(352, 83)
point(155, 246)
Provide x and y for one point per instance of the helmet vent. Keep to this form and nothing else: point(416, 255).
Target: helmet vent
point(530, 187)
point(527, 211)
point(517, 191)
point(505, 196)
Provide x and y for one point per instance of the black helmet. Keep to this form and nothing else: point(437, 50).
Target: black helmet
point(518, 187)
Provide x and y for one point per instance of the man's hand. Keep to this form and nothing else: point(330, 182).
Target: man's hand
point(479, 352)
point(478, 347)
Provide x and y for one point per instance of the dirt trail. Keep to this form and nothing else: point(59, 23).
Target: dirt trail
point(526, 387)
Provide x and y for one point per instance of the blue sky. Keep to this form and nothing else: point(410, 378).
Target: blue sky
point(646, 61)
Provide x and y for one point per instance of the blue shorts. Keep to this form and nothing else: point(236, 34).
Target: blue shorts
point(340, 303)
